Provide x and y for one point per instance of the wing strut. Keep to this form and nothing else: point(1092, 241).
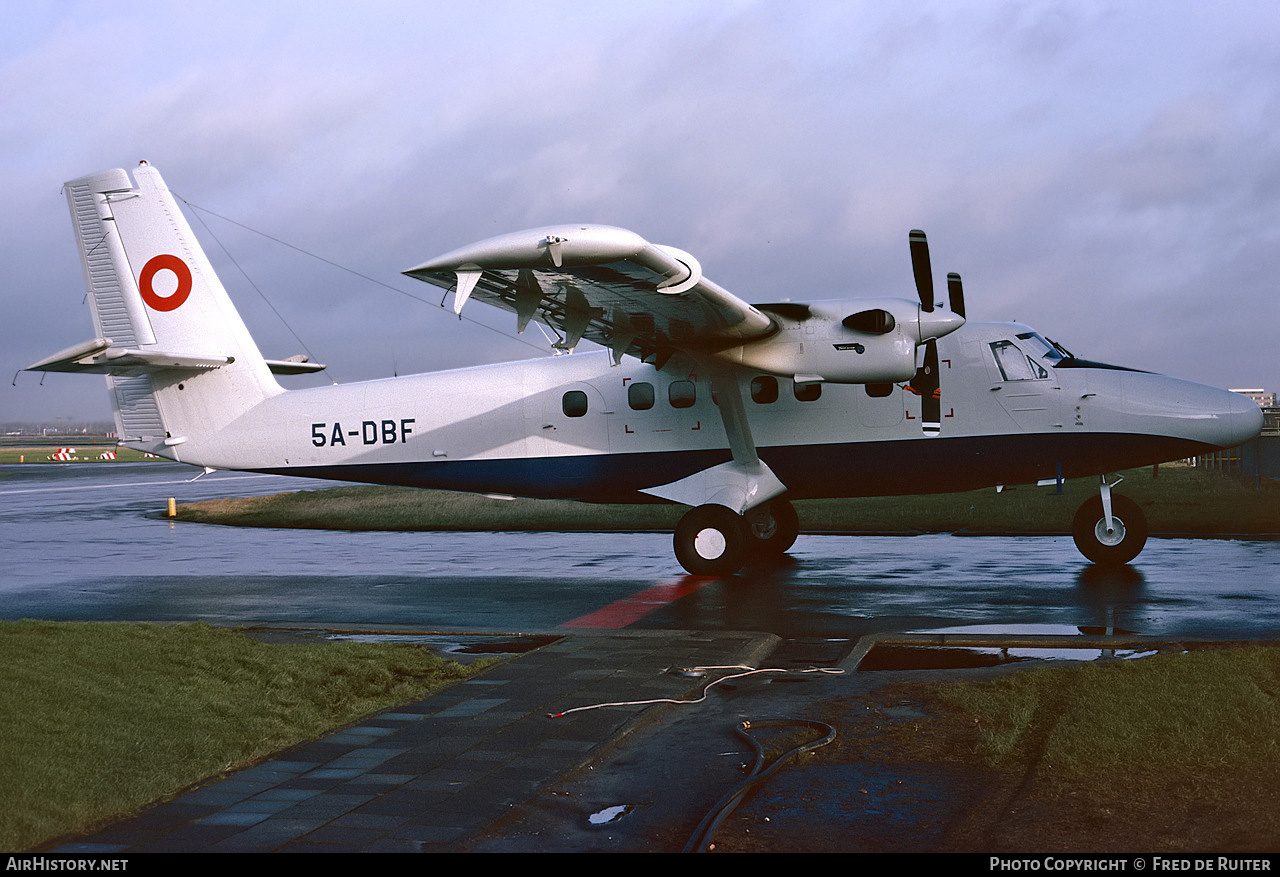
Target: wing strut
point(741, 484)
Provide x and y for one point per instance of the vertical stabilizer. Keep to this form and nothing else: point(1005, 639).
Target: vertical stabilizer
point(156, 298)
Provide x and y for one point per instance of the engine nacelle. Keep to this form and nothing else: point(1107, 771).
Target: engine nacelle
point(854, 341)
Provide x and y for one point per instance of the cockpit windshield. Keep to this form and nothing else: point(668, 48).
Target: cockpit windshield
point(1050, 351)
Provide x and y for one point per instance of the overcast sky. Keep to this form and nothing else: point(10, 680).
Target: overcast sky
point(1106, 172)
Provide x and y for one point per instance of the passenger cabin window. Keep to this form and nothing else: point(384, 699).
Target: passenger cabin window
point(1014, 364)
point(640, 395)
point(764, 390)
point(682, 394)
point(574, 403)
point(809, 392)
point(879, 391)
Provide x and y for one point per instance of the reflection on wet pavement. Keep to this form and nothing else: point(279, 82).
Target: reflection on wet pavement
point(87, 542)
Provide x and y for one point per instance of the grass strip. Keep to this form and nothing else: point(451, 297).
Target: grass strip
point(1180, 501)
point(1177, 752)
point(1121, 726)
point(1173, 752)
point(99, 719)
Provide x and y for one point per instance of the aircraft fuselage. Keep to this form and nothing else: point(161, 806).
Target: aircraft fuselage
point(579, 427)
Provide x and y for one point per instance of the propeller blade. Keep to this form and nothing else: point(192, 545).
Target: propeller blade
point(930, 389)
point(955, 293)
point(927, 384)
point(923, 270)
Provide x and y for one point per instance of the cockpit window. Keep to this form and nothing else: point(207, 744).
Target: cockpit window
point(1049, 351)
point(1016, 365)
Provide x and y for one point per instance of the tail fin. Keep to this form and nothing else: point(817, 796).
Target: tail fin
point(180, 363)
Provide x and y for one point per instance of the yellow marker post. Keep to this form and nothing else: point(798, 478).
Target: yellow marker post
point(173, 508)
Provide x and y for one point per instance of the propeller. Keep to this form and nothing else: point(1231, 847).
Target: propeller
point(927, 384)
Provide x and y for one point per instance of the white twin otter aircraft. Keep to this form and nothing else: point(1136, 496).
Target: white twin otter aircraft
point(698, 397)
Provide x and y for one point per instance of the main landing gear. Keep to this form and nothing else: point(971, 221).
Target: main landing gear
point(714, 540)
point(1109, 530)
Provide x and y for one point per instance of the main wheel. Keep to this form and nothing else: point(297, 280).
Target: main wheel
point(1122, 543)
point(712, 540)
point(773, 528)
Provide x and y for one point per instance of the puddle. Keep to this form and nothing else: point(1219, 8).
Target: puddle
point(905, 657)
point(904, 710)
point(610, 815)
point(460, 647)
point(927, 658)
point(492, 646)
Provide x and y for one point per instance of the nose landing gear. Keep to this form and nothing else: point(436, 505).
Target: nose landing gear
point(1109, 530)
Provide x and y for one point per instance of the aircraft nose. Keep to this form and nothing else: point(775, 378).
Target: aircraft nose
point(1241, 419)
point(1159, 405)
point(1217, 417)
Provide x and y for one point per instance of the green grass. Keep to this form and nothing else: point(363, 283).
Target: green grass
point(407, 508)
point(1125, 728)
point(97, 720)
point(1177, 753)
point(1180, 500)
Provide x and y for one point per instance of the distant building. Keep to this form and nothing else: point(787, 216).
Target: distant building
point(1262, 397)
point(1257, 458)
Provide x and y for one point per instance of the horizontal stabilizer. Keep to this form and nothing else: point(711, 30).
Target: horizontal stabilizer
point(100, 357)
point(63, 358)
point(291, 366)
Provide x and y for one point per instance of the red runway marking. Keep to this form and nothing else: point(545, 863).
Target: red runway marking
point(632, 609)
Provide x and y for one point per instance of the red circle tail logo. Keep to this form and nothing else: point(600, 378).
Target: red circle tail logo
point(146, 279)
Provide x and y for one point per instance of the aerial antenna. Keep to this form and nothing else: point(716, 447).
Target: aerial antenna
point(198, 209)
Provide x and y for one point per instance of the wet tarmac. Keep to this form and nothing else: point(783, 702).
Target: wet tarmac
point(88, 542)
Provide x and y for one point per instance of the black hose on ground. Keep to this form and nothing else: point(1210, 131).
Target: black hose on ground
point(701, 840)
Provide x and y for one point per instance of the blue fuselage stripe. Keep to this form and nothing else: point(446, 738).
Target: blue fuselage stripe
point(937, 465)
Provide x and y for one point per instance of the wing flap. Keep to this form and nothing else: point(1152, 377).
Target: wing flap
point(605, 284)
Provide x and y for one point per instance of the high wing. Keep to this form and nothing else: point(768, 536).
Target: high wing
point(615, 288)
point(605, 284)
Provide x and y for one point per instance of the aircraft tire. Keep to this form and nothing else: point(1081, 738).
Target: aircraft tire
point(780, 534)
point(712, 540)
point(1088, 529)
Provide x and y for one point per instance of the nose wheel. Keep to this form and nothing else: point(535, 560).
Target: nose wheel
point(1114, 542)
